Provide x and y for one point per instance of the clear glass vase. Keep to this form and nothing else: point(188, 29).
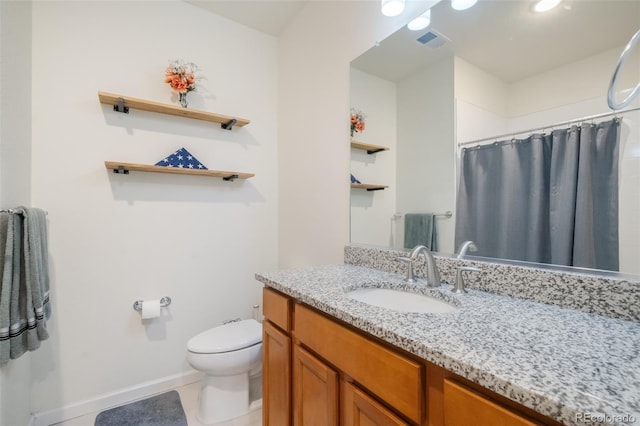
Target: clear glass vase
point(182, 97)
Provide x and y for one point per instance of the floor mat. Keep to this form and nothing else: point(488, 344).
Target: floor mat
point(160, 410)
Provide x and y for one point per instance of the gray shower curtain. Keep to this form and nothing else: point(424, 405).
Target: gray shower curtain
point(546, 198)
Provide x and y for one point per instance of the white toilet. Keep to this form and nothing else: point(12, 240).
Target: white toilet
point(227, 355)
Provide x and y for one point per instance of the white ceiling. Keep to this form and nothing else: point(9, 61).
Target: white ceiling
point(267, 16)
point(508, 40)
point(502, 37)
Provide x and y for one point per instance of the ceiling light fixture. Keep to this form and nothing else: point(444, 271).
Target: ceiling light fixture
point(545, 5)
point(421, 22)
point(462, 4)
point(392, 7)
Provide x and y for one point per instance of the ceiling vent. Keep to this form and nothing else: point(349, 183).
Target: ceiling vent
point(432, 39)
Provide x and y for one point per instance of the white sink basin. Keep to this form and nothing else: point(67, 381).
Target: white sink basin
point(401, 300)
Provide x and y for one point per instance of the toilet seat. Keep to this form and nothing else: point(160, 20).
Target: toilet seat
point(226, 338)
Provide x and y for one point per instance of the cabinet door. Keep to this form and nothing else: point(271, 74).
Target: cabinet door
point(463, 406)
point(276, 377)
point(359, 409)
point(315, 391)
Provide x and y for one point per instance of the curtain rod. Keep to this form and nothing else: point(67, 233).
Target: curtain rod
point(563, 123)
point(15, 211)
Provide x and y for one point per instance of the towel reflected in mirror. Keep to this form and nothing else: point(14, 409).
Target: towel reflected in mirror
point(420, 229)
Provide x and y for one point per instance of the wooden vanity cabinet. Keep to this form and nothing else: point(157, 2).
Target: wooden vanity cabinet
point(318, 371)
point(276, 359)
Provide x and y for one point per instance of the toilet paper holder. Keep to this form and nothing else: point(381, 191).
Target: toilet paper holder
point(165, 301)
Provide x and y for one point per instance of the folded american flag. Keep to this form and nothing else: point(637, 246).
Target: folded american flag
point(183, 159)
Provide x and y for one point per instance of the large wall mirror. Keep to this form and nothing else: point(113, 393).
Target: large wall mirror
point(493, 69)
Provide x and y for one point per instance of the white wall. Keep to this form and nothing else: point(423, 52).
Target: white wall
point(425, 127)
point(569, 84)
point(371, 211)
point(313, 131)
point(15, 166)
point(15, 103)
point(553, 96)
point(477, 87)
point(629, 175)
point(114, 239)
point(118, 238)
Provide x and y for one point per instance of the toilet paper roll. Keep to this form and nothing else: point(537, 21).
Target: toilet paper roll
point(150, 309)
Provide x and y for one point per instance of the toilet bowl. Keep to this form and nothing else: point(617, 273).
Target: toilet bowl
point(227, 355)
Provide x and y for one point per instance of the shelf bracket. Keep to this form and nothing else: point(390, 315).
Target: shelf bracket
point(122, 170)
point(375, 189)
point(373, 151)
point(229, 124)
point(230, 178)
point(119, 106)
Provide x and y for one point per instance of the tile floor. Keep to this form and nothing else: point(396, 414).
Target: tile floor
point(189, 398)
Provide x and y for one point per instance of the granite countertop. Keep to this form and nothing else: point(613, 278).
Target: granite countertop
point(572, 366)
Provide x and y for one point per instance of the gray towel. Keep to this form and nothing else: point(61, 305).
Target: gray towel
point(420, 229)
point(6, 250)
point(36, 259)
point(24, 292)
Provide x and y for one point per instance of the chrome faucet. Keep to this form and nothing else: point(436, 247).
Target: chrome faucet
point(433, 276)
point(467, 245)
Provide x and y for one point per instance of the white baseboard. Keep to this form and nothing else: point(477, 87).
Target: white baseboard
point(102, 402)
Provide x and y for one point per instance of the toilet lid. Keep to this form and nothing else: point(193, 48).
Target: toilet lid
point(227, 337)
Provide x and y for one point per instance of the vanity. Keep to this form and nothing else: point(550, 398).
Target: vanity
point(331, 359)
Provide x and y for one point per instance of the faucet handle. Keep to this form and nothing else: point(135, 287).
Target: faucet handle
point(459, 286)
point(409, 277)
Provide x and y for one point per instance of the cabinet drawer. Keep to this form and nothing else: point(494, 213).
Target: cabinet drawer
point(276, 308)
point(395, 379)
point(463, 406)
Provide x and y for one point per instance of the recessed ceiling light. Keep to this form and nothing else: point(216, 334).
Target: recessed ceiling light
point(462, 4)
point(392, 7)
point(421, 22)
point(545, 5)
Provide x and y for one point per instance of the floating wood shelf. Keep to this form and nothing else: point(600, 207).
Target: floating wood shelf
point(123, 103)
point(371, 149)
point(119, 167)
point(368, 186)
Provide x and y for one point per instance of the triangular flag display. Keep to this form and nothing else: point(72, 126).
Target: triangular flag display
point(182, 159)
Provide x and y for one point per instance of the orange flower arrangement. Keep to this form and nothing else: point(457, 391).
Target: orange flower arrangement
point(182, 78)
point(357, 121)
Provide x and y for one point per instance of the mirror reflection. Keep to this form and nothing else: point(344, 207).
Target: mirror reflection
point(495, 72)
